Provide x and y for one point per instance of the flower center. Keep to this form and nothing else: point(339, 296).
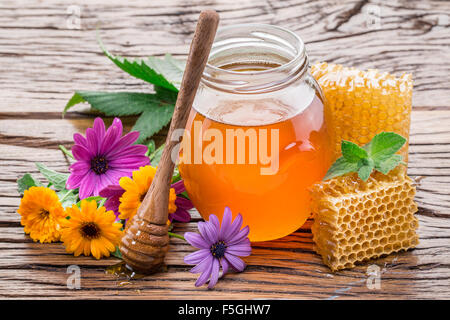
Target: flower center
point(90, 230)
point(44, 213)
point(218, 249)
point(99, 165)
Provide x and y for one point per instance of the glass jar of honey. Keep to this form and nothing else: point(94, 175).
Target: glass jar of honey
point(256, 138)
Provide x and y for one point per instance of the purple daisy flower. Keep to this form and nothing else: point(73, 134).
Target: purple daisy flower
point(220, 245)
point(103, 157)
point(114, 192)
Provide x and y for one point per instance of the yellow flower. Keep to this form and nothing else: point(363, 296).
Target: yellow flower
point(136, 189)
point(90, 230)
point(41, 212)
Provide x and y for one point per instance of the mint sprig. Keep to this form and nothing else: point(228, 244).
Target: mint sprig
point(378, 154)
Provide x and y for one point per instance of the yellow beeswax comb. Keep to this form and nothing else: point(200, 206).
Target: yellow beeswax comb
point(355, 221)
point(362, 104)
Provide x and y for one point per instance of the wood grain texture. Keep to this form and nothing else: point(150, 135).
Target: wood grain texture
point(43, 62)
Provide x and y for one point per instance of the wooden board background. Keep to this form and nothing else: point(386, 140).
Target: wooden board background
point(42, 61)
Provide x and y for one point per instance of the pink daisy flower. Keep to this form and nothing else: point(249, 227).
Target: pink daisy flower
point(103, 157)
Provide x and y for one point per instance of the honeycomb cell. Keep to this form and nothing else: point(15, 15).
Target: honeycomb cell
point(364, 103)
point(345, 238)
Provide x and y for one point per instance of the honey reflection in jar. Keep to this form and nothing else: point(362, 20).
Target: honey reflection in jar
point(256, 153)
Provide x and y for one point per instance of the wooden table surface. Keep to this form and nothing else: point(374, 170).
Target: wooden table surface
point(43, 61)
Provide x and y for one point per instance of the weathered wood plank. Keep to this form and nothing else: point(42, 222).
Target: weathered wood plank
point(54, 60)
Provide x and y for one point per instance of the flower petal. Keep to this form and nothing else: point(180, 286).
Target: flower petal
point(178, 186)
point(235, 227)
point(196, 240)
point(81, 153)
point(207, 231)
point(126, 140)
point(111, 137)
point(74, 181)
point(235, 262)
point(242, 250)
point(240, 236)
point(197, 256)
point(79, 139)
point(226, 223)
point(99, 128)
point(214, 274)
point(183, 203)
point(215, 221)
point(205, 275)
point(87, 185)
point(225, 266)
point(180, 215)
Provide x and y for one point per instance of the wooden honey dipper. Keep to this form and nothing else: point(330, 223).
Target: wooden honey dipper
point(146, 240)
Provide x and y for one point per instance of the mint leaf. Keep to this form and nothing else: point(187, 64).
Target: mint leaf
point(352, 152)
point(389, 164)
point(365, 171)
point(384, 145)
point(96, 198)
point(121, 103)
point(166, 72)
point(26, 182)
point(341, 167)
point(152, 120)
point(57, 179)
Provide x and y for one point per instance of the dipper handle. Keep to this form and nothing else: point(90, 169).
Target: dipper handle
point(146, 239)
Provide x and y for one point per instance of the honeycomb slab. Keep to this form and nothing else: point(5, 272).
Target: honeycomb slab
point(355, 221)
point(361, 104)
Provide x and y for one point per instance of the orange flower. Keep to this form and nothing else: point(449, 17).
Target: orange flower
point(41, 212)
point(90, 230)
point(136, 189)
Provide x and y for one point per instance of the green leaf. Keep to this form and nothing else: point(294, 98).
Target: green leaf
point(166, 72)
point(384, 145)
point(26, 182)
point(151, 147)
point(67, 197)
point(389, 164)
point(352, 152)
point(152, 120)
point(365, 171)
point(57, 179)
point(76, 99)
point(124, 103)
point(96, 198)
point(156, 155)
point(117, 253)
point(341, 167)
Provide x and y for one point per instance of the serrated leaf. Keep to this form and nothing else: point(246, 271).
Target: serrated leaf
point(76, 99)
point(166, 72)
point(364, 172)
point(389, 164)
point(123, 103)
point(384, 145)
point(152, 120)
point(352, 152)
point(26, 182)
point(341, 167)
point(57, 179)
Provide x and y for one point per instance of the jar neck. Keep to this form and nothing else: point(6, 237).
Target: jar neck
point(255, 44)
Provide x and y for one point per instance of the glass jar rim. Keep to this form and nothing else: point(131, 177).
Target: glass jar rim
point(301, 52)
point(248, 41)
